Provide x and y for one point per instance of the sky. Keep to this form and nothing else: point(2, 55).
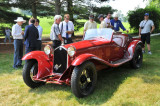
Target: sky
point(126, 5)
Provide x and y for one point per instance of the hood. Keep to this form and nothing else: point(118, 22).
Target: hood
point(87, 43)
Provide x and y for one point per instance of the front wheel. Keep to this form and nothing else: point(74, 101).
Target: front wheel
point(83, 79)
point(137, 59)
point(30, 69)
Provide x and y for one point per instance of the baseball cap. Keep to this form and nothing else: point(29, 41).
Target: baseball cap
point(146, 14)
point(101, 15)
point(91, 16)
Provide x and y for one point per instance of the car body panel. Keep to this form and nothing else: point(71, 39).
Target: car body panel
point(45, 64)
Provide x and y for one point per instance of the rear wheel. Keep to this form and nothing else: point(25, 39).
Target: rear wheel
point(30, 69)
point(137, 59)
point(83, 79)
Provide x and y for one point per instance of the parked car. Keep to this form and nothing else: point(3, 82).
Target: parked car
point(77, 64)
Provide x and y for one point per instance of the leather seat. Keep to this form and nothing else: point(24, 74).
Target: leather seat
point(119, 40)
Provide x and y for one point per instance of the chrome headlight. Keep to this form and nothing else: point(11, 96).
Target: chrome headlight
point(71, 51)
point(47, 49)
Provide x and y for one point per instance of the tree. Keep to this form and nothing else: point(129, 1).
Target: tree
point(154, 3)
point(102, 10)
point(37, 7)
point(57, 7)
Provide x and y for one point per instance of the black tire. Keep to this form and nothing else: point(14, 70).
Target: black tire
point(137, 59)
point(31, 65)
point(83, 82)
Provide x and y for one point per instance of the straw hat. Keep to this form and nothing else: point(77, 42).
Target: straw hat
point(20, 19)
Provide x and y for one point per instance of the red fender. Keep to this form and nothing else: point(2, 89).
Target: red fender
point(84, 57)
point(132, 46)
point(45, 64)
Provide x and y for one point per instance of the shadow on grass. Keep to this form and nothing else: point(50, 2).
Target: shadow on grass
point(107, 84)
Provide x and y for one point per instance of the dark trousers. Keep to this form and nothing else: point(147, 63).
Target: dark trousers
point(56, 43)
point(145, 38)
point(67, 41)
point(18, 52)
point(29, 49)
point(39, 44)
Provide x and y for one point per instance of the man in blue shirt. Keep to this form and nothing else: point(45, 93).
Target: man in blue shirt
point(117, 23)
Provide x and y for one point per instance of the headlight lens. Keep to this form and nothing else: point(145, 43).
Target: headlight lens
point(47, 49)
point(71, 51)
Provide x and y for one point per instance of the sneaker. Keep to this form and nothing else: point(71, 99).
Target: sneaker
point(149, 52)
point(143, 51)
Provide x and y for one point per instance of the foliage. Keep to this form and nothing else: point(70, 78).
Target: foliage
point(154, 3)
point(136, 16)
point(103, 10)
point(122, 86)
point(37, 7)
point(7, 18)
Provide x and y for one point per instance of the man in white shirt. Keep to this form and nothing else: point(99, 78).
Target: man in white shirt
point(108, 21)
point(67, 29)
point(17, 34)
point(146, 27)
point(7, 36)
point(40, 30)
point(91, 24)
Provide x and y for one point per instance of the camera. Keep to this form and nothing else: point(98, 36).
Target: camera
point(142, 27)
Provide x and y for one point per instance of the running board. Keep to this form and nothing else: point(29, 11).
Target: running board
point(121, 61)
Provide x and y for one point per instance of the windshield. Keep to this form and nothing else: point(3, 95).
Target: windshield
point(105, 33)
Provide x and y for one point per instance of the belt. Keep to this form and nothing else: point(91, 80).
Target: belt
point(18, 39)
point(66, 38)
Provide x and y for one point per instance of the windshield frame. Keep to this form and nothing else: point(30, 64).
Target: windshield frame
point(104, 33)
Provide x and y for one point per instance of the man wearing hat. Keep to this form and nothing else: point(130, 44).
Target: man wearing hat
point(103, 23)
point(17, 34)
point(91, 24)
point(117, 24)
point(146, 27)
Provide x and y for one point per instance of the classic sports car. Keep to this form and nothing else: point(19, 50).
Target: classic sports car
point(77, 64)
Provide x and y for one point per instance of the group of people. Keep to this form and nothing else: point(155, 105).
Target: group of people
point(146, 27)
point(61, 32)
point(105, 22)
point(32, 37)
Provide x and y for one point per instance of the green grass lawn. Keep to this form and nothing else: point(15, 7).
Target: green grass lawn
point(120, 86)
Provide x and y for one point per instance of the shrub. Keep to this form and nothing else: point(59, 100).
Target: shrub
point(135, 17)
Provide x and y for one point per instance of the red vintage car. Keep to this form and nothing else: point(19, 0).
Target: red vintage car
point(77, 64)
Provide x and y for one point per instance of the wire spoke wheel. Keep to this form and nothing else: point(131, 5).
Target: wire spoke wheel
point(34, 71)
point(137, 60)
point(83, 79)
point(30, 71)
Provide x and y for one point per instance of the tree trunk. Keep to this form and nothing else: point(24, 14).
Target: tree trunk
point(34, 12)
point(57, 7)
point(70, 9)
